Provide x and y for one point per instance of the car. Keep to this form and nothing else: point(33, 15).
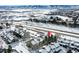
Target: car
point(42, 51)
point(76, 46)
point(57, 50)
point(52, 47)
point(56, 45)
point(48, 49)
point(72, 46)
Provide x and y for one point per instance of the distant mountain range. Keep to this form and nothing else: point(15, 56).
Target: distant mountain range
point(41, 7)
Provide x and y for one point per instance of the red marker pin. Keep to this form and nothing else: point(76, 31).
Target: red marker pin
point(49, 33)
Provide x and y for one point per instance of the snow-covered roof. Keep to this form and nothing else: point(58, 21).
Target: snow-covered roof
point(33, 42)
point(64, 17)
point(21, 18)
point(77, 11)
point(10, 36)
point(20, 48)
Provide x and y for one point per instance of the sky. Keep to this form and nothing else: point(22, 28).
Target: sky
point(39, 2)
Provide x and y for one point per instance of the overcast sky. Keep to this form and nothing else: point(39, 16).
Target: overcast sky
point(39, 2)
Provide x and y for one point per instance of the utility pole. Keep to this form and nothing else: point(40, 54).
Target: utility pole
point(75, 20)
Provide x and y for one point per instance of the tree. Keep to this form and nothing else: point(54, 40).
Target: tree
point(9, 50)
point(52, 38)
point(75, 20)
point(7, 24)
point(51, 17)
point(1, 27)
point(17, 35)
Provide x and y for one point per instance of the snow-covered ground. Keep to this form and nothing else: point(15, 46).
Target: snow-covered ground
point(59, 27)
point(19, 47)
point(70, 38)
point(53, 26)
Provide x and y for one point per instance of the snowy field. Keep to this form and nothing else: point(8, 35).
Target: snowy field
point(53, 26)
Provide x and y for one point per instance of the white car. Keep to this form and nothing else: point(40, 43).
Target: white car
point(42, 51)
